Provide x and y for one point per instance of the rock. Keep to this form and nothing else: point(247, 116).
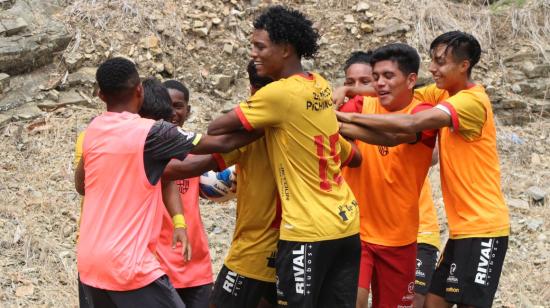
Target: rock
point(518, 203)
point(308, 64)
point(71, 98)
point(85, 76)
point(20, 54)
point(5, 119)
point(27, 112)
point(6, 4)
point(348, 19)
point(150, 42)
point(534, 224)
point(202, 32)
point(362, 7)
point(198, 24)
point(536, 194)
point(23, 291)
point(74, 61)
point(228, 49)
point(4, 82)
point(536, 71)
point(221, 82)
point(12, 24)
point(365, 27)
point(537, 88)
point(216, 21)
point(393, 29)
point(512, 103)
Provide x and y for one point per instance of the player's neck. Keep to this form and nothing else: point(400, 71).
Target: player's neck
point(123, 107)
point(289, 70)
point(463, 84)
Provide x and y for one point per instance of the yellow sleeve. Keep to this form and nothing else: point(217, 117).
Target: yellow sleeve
point(346, 150)
point(266, 108)
point(430, 94)
point(78, 148)
point(229, 159)
point(470, 113)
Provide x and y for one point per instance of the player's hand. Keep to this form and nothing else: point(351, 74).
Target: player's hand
point(180, 236)
point(344, 117)
point(339, 96)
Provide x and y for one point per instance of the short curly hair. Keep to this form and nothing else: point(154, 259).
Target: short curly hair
point(117, 75)
point(285, 25)
point(176, 85)
point(157, 104)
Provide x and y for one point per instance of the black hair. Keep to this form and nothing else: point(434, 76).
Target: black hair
point(464, 46)
point(116, 78)
point(407, 58)
point(176, 85)
point(358, 57)
point(256, 81)
point(285, 25)
point(157, 104)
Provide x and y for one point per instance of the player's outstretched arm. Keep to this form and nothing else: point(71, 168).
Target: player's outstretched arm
point(192, 166)
point(172, 200)
point(225, 124)
point(225, 143)
point(432, 118)
point(371, 136)
point(79, 177)
point(339, 94)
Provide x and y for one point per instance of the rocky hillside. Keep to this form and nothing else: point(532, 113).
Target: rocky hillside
point(49, 51)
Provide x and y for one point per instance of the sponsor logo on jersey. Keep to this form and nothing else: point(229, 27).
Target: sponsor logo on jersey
point(483, 267)
point(383, 150)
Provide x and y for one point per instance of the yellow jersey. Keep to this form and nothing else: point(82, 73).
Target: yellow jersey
point(301, 133)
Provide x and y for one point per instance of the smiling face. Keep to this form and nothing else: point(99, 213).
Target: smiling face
point(394, 88)
point(446, 71)
point(268, 57)
point(180, 105)
point(358, 74)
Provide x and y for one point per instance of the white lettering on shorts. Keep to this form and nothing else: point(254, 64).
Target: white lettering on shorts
point(483, 267)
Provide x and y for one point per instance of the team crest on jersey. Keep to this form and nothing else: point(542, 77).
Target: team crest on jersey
point(183, 186)
point(383, 150)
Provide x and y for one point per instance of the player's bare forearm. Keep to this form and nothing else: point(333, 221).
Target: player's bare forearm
point(399, 123)
point(171, 198)
point(79, 176)
point(191, 167)
point(226, 143)
point(357, 158)
point(371, 136)
point(225, 124)
point(340, 93)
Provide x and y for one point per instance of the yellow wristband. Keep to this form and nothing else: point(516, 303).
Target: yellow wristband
point(179, 221)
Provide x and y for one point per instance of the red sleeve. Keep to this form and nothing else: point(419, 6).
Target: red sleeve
point(428, 137)
point(353, 105)
point(243, 119)
point(454, 115)
point(219, 161)
point(350, 157)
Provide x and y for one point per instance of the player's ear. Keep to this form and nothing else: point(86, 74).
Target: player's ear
point(464, 66)
point(101, 96)
point(411, 80)
point(287, 49)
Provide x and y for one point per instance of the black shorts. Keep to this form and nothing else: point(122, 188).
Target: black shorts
point(195, 297)
point(232, 290)
point(159, 293)
point(469, 270)
point(426, 261)
point(318, 274)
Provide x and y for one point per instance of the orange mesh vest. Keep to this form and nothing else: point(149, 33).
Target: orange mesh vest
point(120, 218)
point(470, 180)
point(388, 184)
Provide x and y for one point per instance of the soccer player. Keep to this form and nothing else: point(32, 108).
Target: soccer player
point(358, 74)
point(122, 160)
point(192, 279)
point(247, 278)
point(319, 249)
point(477, 215)
point(394, 177)
point(428, 244)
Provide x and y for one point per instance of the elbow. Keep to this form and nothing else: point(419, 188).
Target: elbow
point(356, 161)
point(80, 189)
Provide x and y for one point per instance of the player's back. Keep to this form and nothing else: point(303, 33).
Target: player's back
point(302, 139)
